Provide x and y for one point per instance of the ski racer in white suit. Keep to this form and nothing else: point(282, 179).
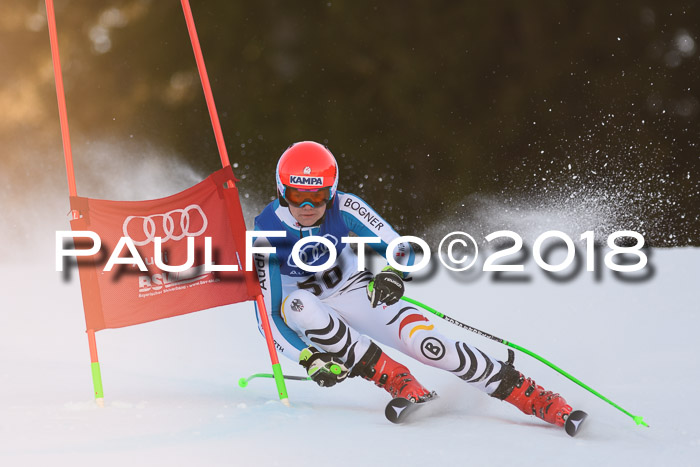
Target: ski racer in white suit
point(331, 321)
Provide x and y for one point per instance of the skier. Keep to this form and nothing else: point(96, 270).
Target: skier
point(331, 321)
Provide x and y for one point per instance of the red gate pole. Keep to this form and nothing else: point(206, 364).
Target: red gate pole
point(204, 78)
point(62, 113)
point(213, 115)
point(70, 174)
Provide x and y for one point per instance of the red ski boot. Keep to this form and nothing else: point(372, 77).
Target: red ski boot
point(531, 398)
point(396, 379)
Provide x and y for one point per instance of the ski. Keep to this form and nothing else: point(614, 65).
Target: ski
point(400, 409)
point(574, 421)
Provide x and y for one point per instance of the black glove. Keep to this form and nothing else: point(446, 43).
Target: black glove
point(387, 287)
point(323, 368)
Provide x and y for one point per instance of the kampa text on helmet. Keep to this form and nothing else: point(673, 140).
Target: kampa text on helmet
point(305, 181)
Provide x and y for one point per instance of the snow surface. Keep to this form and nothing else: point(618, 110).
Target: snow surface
point(172, 398)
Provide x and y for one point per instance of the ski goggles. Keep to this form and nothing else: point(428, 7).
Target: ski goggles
point(300, 198)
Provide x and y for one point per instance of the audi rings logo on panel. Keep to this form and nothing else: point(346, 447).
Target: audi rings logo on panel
point(174, 225)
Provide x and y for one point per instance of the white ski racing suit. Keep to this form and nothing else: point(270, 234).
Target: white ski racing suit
point(330, 309)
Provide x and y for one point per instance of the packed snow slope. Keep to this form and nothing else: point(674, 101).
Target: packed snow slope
point(172, 399)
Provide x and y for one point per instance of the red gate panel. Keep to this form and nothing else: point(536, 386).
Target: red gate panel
point(126, 295)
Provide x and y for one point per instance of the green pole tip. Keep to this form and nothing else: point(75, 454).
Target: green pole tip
point(639, 421)
point(242, 382)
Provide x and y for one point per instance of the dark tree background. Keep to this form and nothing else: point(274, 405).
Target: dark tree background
point(425, 104)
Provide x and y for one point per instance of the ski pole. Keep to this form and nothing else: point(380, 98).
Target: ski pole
point(243, 382)
point(637, 418)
